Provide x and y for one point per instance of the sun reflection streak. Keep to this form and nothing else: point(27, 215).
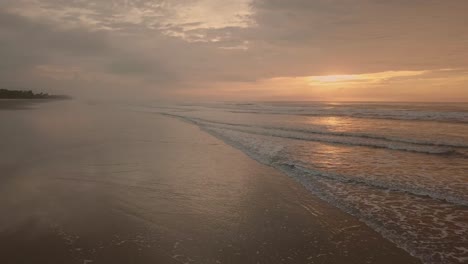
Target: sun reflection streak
point(331, 123)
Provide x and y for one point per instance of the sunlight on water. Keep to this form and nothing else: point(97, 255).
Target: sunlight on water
point(401, 168)
point(333, 123)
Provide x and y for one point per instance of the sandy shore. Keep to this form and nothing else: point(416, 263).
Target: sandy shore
point(98, 184)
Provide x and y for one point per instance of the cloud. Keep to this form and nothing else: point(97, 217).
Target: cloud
point(169, 47)
point(32, 49)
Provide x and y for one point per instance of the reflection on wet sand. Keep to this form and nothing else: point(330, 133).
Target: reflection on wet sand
point(102, 184)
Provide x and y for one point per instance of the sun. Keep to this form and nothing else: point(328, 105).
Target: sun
point(334, 78)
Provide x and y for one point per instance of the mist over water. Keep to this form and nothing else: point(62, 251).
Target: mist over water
point(399, 167)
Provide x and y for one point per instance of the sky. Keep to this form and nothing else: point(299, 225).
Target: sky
point(333, 50)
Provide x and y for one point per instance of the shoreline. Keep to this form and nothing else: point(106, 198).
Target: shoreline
point(297, 178)
point(22, 103)
point(144, 188)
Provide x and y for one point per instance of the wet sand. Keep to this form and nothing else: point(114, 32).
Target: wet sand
point(90, 183)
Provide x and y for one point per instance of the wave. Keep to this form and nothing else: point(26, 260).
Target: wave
point(354, 139)
point(274, 156)
point(448, 112)
point(385, 207)
point(448, 117)
point(389, 204)
point(384, 185)
point(280, 160)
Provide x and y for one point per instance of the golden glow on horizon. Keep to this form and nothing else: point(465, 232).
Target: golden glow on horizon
point(423, 85)
point(350, 79)
point(334, 78)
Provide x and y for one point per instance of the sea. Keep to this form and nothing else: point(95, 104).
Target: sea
point(401, 168)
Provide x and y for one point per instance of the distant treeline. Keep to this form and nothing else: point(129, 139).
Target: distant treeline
point(18, 94)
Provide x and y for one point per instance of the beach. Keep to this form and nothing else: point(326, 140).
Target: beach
point(86, 182)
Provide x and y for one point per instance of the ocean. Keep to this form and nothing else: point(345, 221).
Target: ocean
point(401, 168)
point(99, 182)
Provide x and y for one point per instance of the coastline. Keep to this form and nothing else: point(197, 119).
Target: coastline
point(23, 103)
point(14, 104)
point(132, 187)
